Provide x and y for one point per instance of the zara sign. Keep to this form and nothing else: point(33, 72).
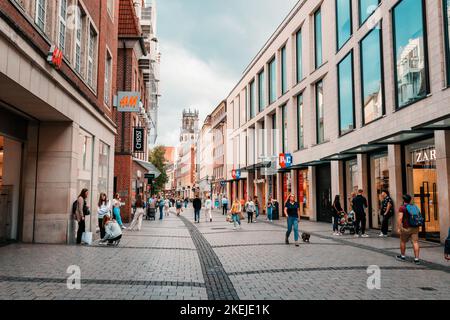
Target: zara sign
point(425, 155)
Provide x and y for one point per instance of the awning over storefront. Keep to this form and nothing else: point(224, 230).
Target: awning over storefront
point(253, 167)
point(315, 163)
point(151, 169)
point(363, 149)
point(338, 157)
point(403, 137)
point(442, 123)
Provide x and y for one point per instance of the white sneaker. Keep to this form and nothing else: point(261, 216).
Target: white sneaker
point(365, 236)
point(381, 235)
point(123, 227)
point(356, 235)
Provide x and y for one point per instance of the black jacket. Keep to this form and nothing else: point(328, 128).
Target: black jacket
point(359, 204)
point(197, 204)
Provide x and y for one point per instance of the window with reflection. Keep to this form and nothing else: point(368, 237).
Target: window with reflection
point(299, 56)
point(261, 91)
point(447, 36)
point(318, 38)
point(285, 127)
point(343, 21)
point(283, 71)
point(372, 73)
point(272, 81)
point(300, 123)
point(409, 45)
point(346, 97)
point(320, 127)
point(366, 9)
point(252, 99)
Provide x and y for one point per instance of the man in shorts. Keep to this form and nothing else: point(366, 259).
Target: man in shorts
point(407, 232)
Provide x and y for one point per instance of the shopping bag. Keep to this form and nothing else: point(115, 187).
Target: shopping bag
point(86, 238)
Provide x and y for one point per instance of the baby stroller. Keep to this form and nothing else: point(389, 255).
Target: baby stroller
point(347, 223)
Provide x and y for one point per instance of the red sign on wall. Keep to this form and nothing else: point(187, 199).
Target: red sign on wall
point(55, 57)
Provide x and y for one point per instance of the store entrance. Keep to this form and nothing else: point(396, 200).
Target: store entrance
point(323, 183)
point(422, 185)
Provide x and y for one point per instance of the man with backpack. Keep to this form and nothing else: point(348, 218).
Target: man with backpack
point(409, 221)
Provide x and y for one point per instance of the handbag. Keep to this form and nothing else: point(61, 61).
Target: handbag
point(86, 238)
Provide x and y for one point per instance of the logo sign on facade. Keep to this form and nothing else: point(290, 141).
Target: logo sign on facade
point(236, 174)
point(285, 160)
point(223, 183)
point(425, 155)
point(128, 101)
point(55, 57)
point(139, 140)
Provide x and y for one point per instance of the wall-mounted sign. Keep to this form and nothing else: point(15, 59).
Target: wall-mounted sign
point(139, 140)
point(236, 174)
point(424, 155)
point(55, 57)
point(127, 101)
point(285, 160)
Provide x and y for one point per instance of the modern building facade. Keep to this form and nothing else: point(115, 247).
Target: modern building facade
point(357, 93)
point(186, 166)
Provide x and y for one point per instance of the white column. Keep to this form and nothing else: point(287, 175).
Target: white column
point(442, 141)
point(395, 180)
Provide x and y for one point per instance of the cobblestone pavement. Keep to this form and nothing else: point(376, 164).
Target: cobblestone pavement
point(175, 259)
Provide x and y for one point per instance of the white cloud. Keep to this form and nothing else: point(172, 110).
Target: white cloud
point(188, 82)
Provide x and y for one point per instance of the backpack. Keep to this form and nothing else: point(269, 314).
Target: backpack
point(415, 217)
point(74, 207)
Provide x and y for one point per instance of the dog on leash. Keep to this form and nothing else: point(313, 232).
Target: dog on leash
point(306, 237)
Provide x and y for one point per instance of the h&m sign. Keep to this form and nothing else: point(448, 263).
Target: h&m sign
point(55, 57)
point(139, 140)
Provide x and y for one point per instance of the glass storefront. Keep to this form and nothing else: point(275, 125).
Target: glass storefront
point(303, 192)
point(287, 186)
point(352, 175)
point(379, 173)
point(103, 168)
point(421, 179)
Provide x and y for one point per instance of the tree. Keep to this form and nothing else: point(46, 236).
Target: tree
point(157, 157)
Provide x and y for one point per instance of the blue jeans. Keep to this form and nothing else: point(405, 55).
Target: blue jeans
point(197, 215)
point(117, 216)
point(292, 222)
point(236, 219)
point(269, 213)
point(257, 213)
point(161, 211)
point(336, 223)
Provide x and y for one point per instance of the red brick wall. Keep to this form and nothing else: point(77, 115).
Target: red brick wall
point(122, 170)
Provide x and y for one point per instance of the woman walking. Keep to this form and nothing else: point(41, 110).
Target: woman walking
point(104, 208)
point(117, 203)
point(291, 210)
point(270, 210)
point(256, 207)
point(178, 205)
point(236, 209)
point(137, 220)
point(208, 207)
point(167, 207)
point(337, 211)
point(250, 209)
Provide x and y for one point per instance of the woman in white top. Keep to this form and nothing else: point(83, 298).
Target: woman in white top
point(116, 210)
point(208, 207)
point(136, 224)
point(104, 208)
point(166, 207)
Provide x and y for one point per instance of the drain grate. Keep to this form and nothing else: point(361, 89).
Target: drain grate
point(427, 289)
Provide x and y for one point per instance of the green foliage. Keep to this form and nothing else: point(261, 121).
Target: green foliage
point(157, 158)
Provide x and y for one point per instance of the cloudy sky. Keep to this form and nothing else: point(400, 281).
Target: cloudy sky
point(205, 46)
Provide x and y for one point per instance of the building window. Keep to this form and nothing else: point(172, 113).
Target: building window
point(318, 38)
point(78, 40)
point(372, 76)
point(299, 55)
point(110, 7)
point(272, 81)
point(447, 36)
point(320, 128)
point(283, 71)
point(346, 95)
point(261, 91)
point(366, 8)
point(343, 22)
point(91, 56)
point(300, 123)
point(285, 128)
point(252, 99)
point(108, 67)
point(62, 24)
point(274, 134)
point(244, 115)
point(103, 168)
point(411, 76)
point(41, 7)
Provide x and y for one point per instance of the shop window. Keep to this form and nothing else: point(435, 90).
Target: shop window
point(346, 95)
point(372, 76)
point(303, 192)
point(352, 177)
point(103, 167)
point(411, 76)
point(85, 161)
point(380, 179)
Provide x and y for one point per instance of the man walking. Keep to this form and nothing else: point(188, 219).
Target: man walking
point(387, 212)
point(250, 209)
point(359, 205)
point(224, 205)
point(409, 221)
point(197, 203)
